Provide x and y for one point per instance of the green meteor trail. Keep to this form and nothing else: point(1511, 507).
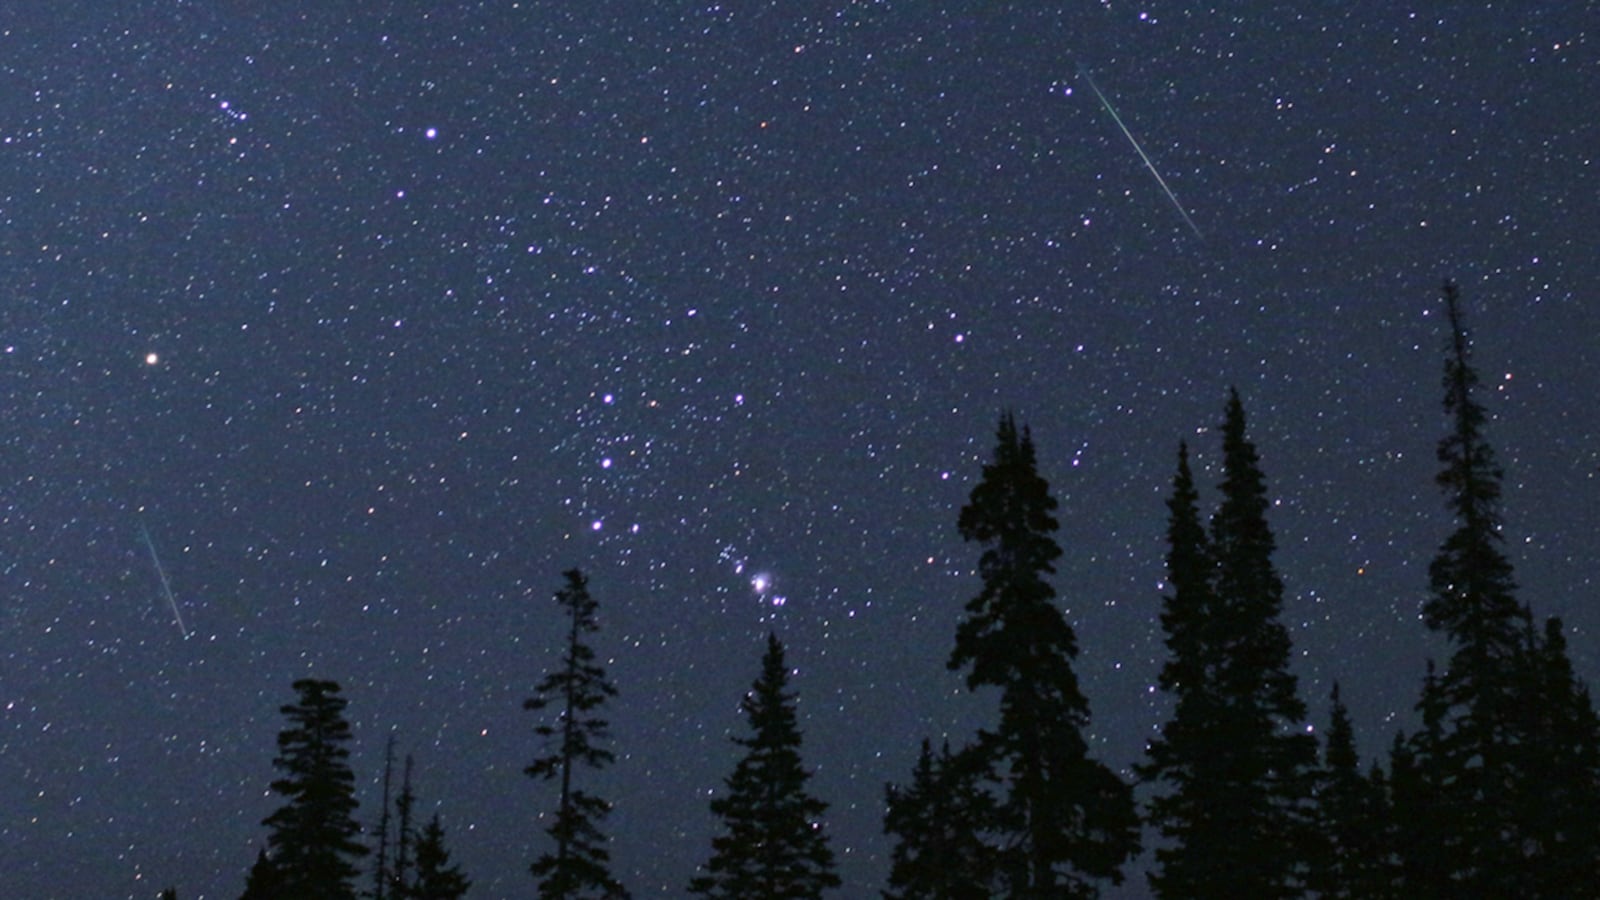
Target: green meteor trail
point(1140, 150)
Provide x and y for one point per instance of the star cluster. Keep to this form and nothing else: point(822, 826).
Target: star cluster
point(375, 318)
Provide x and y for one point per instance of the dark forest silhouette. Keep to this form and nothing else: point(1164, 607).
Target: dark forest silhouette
point(1497, 794)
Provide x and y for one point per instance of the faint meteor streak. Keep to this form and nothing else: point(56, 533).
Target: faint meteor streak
point(1140, 150)
point(166, 586)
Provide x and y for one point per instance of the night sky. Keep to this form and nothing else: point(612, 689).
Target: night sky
point(375, 319)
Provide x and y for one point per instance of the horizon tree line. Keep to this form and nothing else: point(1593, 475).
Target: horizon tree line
point(1496, 794)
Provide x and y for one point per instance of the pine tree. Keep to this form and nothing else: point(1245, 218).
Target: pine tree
point(421, 866)
point(772, 845)
point(1192, 811)
point(1350, 863)
point(380, 869)
point(1508, 762)
point(264, 881)
point(436, 878)
point(1263, 703)
point(1233, 768)
point(940, 853)
point(1066, 819)
point(1385, 869)
point(400, 872)
point(1422, 814)
point(312, 838)
point(579, 864)
point(1472, 753)
point(1562, 813)
point(169, 894)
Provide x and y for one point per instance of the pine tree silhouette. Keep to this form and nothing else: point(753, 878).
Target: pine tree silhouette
point(380, 869)
point(772, 845)
point(264, 881)
point(1507, 729)
point(436, 878)
point(1065, 819)
point(312, 842)
point(578, 866)
point(1352, 854)
point(400, 872)
point(1472, 601)
point(1562, 813)
point(1233, 768)
point(939, 820)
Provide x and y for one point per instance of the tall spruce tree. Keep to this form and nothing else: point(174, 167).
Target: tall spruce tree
point(436, 877)
point(1233, 767)
point(1507, 765)
point(1350, 863)
point(1562, 814)
point(1066, 820)
point(772, 845)
point(1262, 696)
point(1385, 869)
point(938, 821)
point(1422, 814)
point(312, 844)
point(1471, 755)
point(399, 876)
point(579, 864)
point(380, 868)
point(1191, 807)
point(263, 881)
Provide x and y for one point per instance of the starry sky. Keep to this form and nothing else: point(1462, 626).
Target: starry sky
point(375, 317)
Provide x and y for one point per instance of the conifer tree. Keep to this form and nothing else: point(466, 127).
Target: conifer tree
point(263, 882)
point(312, 840)
point(579, 864)
point(1233, 768)
point(1262, 695)
point(436, 878)
point(1351, 821)
point(940, 853)
point(1066, 820)
point(420, 867)
point(1422, 815)
point(1562, 811)
point(1507, 765)
point(1194, 794)
point(399, 876)
point(1470, 755)
point(380, 869)
point(772, 845)
point(1385, 870)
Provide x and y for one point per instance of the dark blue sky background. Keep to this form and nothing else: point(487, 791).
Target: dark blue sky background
point(446, 298)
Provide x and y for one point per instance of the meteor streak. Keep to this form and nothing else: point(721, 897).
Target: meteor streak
point(1140, 150)
point(166, 587)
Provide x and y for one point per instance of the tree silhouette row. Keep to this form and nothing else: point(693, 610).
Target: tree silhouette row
point(1497, 794)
